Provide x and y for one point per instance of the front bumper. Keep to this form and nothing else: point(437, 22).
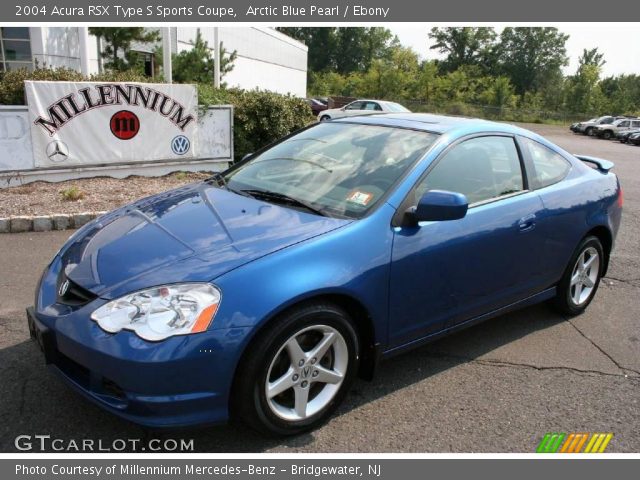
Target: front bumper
point(182, 381)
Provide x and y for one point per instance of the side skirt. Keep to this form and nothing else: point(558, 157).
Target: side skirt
point(532, 300)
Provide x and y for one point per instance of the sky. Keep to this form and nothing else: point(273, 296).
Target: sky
point(620, 43)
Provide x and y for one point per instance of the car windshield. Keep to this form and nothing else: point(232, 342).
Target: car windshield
point(396, 107)
point(332, 169)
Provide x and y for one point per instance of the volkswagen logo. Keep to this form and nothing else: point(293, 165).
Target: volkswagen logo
point(64, 287)
point(180, 145)
point(57, 151)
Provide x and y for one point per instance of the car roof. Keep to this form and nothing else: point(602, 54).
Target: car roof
point(429, 122)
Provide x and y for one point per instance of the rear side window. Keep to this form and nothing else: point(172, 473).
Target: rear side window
point(549, 167)
point(482, 168)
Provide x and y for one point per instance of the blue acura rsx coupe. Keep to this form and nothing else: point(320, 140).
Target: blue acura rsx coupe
point(261, 293)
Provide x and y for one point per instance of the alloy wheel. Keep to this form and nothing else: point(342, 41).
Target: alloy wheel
point(306, 373)
point(584, 276)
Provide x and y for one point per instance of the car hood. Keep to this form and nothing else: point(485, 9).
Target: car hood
point(194, 233)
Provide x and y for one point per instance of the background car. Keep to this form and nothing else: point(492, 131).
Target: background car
point(587, 127)
point(608, 131)
point(263, 292)
point(634, 139)
point(317, 105)
point(623, 135)
point(360, 107)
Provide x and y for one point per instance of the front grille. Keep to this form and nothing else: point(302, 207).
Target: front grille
point(74, 295)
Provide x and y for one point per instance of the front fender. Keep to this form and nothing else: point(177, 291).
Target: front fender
point(351, 261)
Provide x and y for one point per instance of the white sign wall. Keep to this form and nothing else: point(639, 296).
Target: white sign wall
point(89, 123)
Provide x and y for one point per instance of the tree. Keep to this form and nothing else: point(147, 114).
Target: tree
point(118, 40)
point(463, 46)
point(531, 55)
point(591, 57)
point(344, 49)
point(197, 64)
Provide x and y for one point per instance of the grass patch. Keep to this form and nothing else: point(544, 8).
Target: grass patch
point(72, 194)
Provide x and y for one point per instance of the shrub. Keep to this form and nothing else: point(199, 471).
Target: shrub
point(12, 82)
point(260, 117)
point(72, 194)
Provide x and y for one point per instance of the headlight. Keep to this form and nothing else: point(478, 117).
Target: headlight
point(161, 312)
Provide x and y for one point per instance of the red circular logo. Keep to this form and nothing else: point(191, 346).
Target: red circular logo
point(124, 124)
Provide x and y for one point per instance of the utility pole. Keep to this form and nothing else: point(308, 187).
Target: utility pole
point(166, 54)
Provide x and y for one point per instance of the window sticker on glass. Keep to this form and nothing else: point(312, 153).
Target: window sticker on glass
point(360, 198)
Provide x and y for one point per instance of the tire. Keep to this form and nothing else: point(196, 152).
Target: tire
point(607, 134)
point(269, 364)
point(589, 131)
point(324, 118)
point(569, 300)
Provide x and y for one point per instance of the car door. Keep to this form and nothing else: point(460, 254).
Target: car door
point(546, 171)
point(443, 273)
point(354, 108)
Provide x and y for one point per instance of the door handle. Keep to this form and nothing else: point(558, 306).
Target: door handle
point(527, 223)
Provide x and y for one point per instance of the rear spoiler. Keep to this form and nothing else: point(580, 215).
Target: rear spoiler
point(600, 164)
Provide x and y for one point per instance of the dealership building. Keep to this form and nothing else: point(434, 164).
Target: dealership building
point(266, 59)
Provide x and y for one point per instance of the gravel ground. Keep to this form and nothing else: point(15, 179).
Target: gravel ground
point(99, 194)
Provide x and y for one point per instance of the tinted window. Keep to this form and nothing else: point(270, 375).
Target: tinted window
point(549, 167)
point(623, 124)
point(354, 106)
point(481, 168)
point(372, 106)
point(340, 169)
point(635, 123)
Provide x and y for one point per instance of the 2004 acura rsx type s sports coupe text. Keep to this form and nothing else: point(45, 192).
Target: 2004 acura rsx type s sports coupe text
point(264, 291)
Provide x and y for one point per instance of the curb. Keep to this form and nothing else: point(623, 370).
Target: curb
point(45, 223)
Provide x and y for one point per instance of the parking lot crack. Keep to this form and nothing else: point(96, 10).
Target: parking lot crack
point(504, 363)
point(622, 368)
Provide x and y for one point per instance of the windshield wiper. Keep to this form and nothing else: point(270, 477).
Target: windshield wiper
point(218, 177)
point(282, 198)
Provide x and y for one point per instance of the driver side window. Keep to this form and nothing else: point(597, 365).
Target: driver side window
point(354, 106)
point(481, 168)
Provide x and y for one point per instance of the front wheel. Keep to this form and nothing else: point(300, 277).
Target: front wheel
point(324, 118)
point(298, 371)
point(589, 131)
point(581, 278)
point(607, 134)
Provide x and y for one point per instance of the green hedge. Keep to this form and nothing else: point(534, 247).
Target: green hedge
point(260, 117)
point(12, 82)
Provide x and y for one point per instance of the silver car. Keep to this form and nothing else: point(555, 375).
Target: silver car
point(360, 107)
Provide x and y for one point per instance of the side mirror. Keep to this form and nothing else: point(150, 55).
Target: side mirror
point(246, 156)
point(437, 206)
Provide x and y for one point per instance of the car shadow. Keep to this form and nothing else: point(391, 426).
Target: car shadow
point(35, 402)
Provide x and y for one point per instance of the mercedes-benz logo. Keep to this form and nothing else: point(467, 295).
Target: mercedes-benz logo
point(57, 151)
point(64, 286)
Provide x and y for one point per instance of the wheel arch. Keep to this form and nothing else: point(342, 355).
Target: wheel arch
point(603, 234)
point(362, 319)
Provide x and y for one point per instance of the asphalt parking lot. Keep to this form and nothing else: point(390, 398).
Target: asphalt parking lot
point(497, 387)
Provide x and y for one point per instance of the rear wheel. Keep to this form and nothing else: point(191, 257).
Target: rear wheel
point(589, 131)
point(298, 371)
point(581, 278)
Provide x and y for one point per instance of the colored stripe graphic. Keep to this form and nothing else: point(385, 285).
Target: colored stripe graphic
point(550, 443)
point(554, 442)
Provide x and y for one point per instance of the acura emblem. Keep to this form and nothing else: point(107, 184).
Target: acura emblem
point(64, 286)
